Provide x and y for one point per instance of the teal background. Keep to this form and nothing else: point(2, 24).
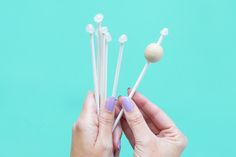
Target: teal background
point(45, 69)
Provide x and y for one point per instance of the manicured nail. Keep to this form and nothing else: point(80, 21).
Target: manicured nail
point(128, 105)
point(110, 104)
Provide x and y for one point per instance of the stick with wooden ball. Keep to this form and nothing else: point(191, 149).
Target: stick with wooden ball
point(153, 53)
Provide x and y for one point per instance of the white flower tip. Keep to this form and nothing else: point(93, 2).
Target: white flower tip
point(123, 38)
point(164, 31)
point(104, 30)
point(90, 28)
point(98, 18)
point(108, 37)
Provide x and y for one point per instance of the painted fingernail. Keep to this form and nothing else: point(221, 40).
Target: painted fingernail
point(128, 105)
point(110, 104)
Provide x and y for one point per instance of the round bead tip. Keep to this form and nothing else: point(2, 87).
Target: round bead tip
point(104, 30)
point(164, 31)
point(108, 37)
point(123, 38)
point(98, 18)
point(90, 28)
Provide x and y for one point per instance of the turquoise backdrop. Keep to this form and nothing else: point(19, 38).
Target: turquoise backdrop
point(45, 69)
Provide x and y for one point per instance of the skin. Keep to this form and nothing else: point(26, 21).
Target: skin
point(149, 130)
point(92, 133)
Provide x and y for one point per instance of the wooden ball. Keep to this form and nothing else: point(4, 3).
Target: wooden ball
point(153, 52)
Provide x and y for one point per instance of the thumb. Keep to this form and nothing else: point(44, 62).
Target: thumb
point(89, 106)
point(135, 119)
point(106, 119)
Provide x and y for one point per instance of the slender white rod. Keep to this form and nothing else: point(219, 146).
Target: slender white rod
point(122, 39)
point(164, 32)
point(160, 40)
point(104, 49)
point(139, 79)
point(98, 19)
point(106, 68)
point(102, 71)
point(99, 59)
point(132, 93)
point(90, 30)
point(95, 80)
point(115, 84)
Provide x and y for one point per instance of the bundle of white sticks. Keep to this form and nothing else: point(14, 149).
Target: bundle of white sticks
point(153, 53)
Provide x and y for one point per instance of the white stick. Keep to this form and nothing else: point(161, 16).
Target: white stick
point(132, 93)
point(163, 32)
point(94, 72)
point(105, 68)
point(115, 84)
point(100, 57)
point(98, 19)
point(102, 82)
point(90, 29)
point(107, 37)
point(123, 38)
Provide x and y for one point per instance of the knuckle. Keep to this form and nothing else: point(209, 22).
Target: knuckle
point(184, 141)
point(136, 119)
point(104, 120)
point(79, 125)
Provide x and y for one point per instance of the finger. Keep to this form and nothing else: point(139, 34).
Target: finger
point(118, 107)
point(150, 123)
point(117, 153)
point(89, 106)
point(117, 133)
point(159, 118)
point(135, 119)
point(127, 131)
point(106, 119)
point(126, 128)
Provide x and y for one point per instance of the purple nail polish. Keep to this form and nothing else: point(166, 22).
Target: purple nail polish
point(110, 104)
point(127, 103)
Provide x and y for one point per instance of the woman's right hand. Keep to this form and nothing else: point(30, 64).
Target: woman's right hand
point(149, 130)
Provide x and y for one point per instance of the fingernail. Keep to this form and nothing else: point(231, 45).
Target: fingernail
point(110, 104)
point(128, 105)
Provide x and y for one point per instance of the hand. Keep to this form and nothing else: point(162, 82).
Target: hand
point(149, 130)
point(92, 133)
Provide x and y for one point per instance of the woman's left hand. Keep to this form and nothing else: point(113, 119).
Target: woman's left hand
point(92, 133)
